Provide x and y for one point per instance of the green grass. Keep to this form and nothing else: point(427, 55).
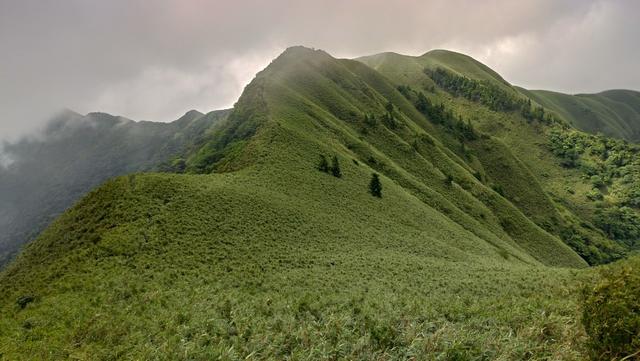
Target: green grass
point(270, 258)
point(521, 160)
point(48, 175)
point(408, 70)
point(199, 267)
point(615, 113)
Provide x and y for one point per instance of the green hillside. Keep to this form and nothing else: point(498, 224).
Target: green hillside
point(201, 267)
point(409, 70)
point(475, 251)
point(615, 113)
point(559, 196)
point(76, 153)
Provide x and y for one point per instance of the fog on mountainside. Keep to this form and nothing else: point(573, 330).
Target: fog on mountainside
point(47, 173)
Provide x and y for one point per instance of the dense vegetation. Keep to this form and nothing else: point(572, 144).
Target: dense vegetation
point(337, 213)
point(615, 219)
point(488, 94)
point(612, 167)
point(464, 132)
point(439, 114)
point(610, 312)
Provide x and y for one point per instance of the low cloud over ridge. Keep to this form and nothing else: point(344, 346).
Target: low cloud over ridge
point(155, 60)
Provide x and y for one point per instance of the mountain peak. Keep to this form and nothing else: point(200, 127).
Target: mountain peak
point(296, 54)
point(299, 50)
point(444, 52)
point(188, 117)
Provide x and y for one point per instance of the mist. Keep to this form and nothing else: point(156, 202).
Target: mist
point(5, 159)
point(156, 60)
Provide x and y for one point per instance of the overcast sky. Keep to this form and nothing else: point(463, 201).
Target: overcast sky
point(154, 60)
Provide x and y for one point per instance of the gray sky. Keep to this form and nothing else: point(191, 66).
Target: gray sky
point(155, 60)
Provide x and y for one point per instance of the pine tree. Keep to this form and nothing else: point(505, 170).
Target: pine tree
point(389, 108)
point(423, 104)
point(335, 167)
point(375, 187)
point(323, 165)
point(471, 132)
point(448, 180)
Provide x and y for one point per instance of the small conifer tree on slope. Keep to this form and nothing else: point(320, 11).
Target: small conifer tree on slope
point(335, 167)
point(375, 187)
point(323, 165)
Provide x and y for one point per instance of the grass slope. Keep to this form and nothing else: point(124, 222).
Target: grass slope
point(268, 258)
point(408, 70)
point(419, 168)
point(517, 158)
point(77, 153)
point(226, 266)
point(615, 113)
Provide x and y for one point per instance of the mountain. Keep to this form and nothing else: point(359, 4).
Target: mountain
point(615, 113)
point(75, 153)
point(272, 245)
point(574, 185)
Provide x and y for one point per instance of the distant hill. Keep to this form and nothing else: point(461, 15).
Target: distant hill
point(615, 113)
point(495, 107)
point(75, 153)
point(265, 239)
point(409, 70)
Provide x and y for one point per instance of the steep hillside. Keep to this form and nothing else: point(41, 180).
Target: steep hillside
point(269, 257)
point(615, 113)
point(558, 195)
point(232, 265)
point(75, 153)
point(409, 70)
point(316, 92)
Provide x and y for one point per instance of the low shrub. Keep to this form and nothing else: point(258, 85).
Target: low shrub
point(611, 312)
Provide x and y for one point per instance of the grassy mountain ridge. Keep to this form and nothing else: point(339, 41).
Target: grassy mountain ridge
point(388, 141)
point(561, 209)
point(76, 153)
point(257, 254)
point(408, 70)
point(305, 273)
point(615, 113)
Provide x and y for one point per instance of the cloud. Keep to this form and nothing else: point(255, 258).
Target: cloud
point(155, 60)
point(588, 53)
point(5, 159)
point(166, 92)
